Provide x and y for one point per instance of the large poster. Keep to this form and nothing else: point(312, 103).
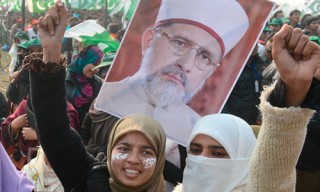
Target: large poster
point(181, 62)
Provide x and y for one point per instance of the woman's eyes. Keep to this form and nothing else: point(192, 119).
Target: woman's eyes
point(127, 150)
point(195, 151)
point(123, 149)
point(219, 154)
point(211, 153)
point(148, 153)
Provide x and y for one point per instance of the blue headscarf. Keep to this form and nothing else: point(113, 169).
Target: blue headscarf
point(89, 55)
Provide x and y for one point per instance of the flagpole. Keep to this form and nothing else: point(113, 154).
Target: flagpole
point(23, 12)
point(106, 15)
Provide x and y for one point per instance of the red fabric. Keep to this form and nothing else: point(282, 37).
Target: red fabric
point(73, 117)
point(21, 110)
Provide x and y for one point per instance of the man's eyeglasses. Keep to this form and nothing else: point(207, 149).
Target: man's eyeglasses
point(181, 46)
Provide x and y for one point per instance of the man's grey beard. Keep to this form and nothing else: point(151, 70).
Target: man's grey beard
point(162, 92)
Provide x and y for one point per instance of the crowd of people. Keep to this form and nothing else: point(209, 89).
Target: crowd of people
point(56, 135)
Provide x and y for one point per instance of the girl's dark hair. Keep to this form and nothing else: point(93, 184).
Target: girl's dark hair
point(294, 11)
point(303, 19)
point(276, 13)
point(311, 19)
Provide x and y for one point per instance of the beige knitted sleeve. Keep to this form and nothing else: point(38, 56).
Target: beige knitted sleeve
point(280, 140)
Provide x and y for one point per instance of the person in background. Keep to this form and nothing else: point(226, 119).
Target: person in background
point(113, 28)
point(264, 35)
point(18, 134)
point(15, 28)
point(294, 17)
point(20, 37)
point(277, 14)
point(265, 53)
point(40, 172)
point(33, 31)
point(120, 34)
point(82, 84)
point(4, 39)
point(244, 98)
point(303, 20)
point(312, 25)
point(19, 83)
point(275, 25)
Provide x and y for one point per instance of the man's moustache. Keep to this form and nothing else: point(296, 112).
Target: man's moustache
point(177, 72)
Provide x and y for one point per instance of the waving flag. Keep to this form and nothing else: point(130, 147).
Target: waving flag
point(13, 5)
point(127, 7)
point(35, 6)
point(102, 40)
point(314, 7)
point(91, 33)
point(86, 28)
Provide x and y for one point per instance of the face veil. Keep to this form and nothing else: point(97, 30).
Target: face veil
point(237, 137)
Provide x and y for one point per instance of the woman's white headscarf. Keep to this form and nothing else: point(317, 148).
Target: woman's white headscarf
point(42, 174)
point(214, 174)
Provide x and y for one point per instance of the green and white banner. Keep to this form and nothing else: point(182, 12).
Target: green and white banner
point(41, 6)
point(313, 7)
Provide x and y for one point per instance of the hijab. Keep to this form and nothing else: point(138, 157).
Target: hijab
point(79, 88)
point(41, 174)
point(214, 174)
point(154, 133)
point(89, 55)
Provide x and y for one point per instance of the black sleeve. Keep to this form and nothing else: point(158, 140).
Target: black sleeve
point(312, 101)
point(172, 173)
point(277, 97)
point(61, 144)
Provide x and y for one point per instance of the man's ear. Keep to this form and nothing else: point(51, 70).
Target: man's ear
point(147, 37)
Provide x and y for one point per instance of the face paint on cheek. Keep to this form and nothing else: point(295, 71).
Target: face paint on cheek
point(149, 162)
point(119, 156)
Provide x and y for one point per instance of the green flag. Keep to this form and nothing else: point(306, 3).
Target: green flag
point(130, 8)
point(14, 5)
point(87, 4)
point(35, 6)
point(115, 6)
point(102, 40)
point(314, 6)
